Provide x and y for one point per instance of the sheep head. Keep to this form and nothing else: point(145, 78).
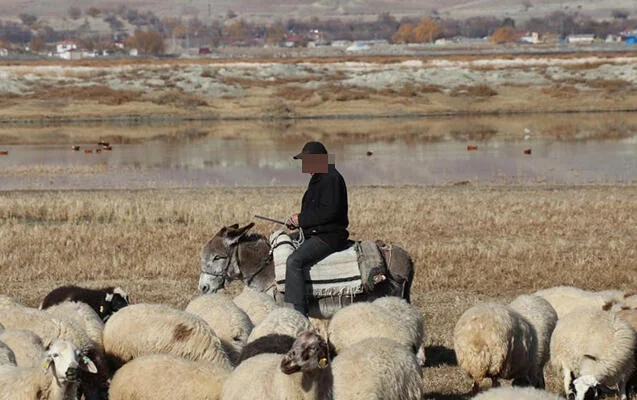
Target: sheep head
point(65, 359)
point(309, 352)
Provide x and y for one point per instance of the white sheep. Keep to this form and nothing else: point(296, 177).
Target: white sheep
point(565, 299)
point(303, 373)
point(256, 304)
point(7, 357)
point(144, 329)
point(542, 317)
point(283, 321)
point(360, 321)
point(231, 324)
point(411, 318)
point(26, 345)
point(168, 377)
point(631, 301)
point(594, 346)
point(377, 368)
point(492, 340)
point(83, 315)
point(55, 380)
point(516, 393)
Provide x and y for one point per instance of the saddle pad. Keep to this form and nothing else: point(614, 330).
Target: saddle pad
point(336, 275)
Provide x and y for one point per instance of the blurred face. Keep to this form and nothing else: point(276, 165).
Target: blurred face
point(314, 163)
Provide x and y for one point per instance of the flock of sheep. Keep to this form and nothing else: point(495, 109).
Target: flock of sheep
point(92, 343)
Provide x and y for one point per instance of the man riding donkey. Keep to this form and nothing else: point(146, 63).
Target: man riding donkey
point(323, 221)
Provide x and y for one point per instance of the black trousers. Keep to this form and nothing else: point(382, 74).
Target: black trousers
point(309, 253)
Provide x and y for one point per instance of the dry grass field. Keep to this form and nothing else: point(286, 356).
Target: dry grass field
point(469, 243)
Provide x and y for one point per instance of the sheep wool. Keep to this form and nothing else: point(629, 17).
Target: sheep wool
point(594, 344)
point(360, 321)
point(83, 315)
point(565, 299)
point(411, 318)
point(541, 315)
point(231, 324)
point(283, 321)
point(144, 329)
point(164, 376)
point(256, 304)
point(26, 345)
point(377, 369)
point(516, 393)
point(491, 340)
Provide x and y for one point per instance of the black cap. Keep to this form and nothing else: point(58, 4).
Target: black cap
point(311, 148)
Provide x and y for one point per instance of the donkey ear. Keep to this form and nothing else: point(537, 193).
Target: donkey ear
point(233, 236)
point(234, 226)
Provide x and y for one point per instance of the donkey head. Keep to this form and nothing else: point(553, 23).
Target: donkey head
point(217, 264)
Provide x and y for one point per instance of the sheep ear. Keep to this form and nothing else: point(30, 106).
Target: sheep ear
point(607, 306)
point(109, 297)
point(88, 365)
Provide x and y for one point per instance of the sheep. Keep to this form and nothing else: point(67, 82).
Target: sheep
point(83, 315)
point(285, 321)
point(273, 343)
point(360, 321)
point(7, 357)
point(411, 318)
point(492, 340)
point(516, 393)
point(630, 301)
point(377, 368)
point(168, 377)
point(565, 299)
point(50, 327)
point(8, 301)
point(1, 328)
point(26, 345)
point(105, 302)
point(542, 317)
point(56, 379)
point(303, 373)
point(143, 329)
point(231, 324)
point(256, 304)
point(595, 347)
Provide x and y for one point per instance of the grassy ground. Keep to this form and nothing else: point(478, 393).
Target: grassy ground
point(469, 244)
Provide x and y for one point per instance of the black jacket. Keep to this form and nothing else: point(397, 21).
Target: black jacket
point(324, 209)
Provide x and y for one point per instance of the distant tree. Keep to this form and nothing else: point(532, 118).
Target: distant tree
point(147, 42)
point(28, 19)
point(37, 44)
point(231, 14)
point(180, 31)
point(508, 21)
point(427, 31)
point(450, 28)
point(620, 14)
point(4, 44)
point(75, 12)
point(405, 34)
point(236, 31)
point(93, 12)
point(504, 34)
point(274, 34)
point(479, 26)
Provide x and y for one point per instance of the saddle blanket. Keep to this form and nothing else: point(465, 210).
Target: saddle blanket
point(338, 274)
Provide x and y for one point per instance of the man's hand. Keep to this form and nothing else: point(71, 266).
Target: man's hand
point(292, 222)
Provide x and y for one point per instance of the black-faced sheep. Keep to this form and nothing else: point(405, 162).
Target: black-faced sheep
point(57, 379)
point(274, 343)
point(105, 302)
point(303, 373)
point(144, 329)
point(595, 347)
point(164, 376)
point(377, 368)
point(492, 340)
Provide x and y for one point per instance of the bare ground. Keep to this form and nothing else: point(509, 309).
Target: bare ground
point(469, 244)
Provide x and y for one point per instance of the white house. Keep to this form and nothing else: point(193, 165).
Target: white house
point(341, 43)
point(4, 52)
point(581, 39)
point(66, 45)
point(533, 38)
point(72, 54)
point(133, 52)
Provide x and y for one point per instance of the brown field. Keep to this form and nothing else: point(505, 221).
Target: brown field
point(469, 243)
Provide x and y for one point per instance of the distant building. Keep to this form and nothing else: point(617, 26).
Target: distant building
point(613, 39)
point(4, 52)
point(133, 52)
point(72, 54)
point(358, 46)
point(65, 46)
point(628, 33)
point(204, 50)
point(581, 39)
point(341, 43)
point(532, 38)
point(293, 41)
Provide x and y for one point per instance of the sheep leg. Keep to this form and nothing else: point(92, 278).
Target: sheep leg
point(567, 381)
point(621, 388)
point(495, 382)
point(475, 388)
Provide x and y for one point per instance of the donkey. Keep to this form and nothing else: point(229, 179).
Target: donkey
point(234, 254)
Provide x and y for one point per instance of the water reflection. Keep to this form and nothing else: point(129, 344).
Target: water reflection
point(196, 160)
